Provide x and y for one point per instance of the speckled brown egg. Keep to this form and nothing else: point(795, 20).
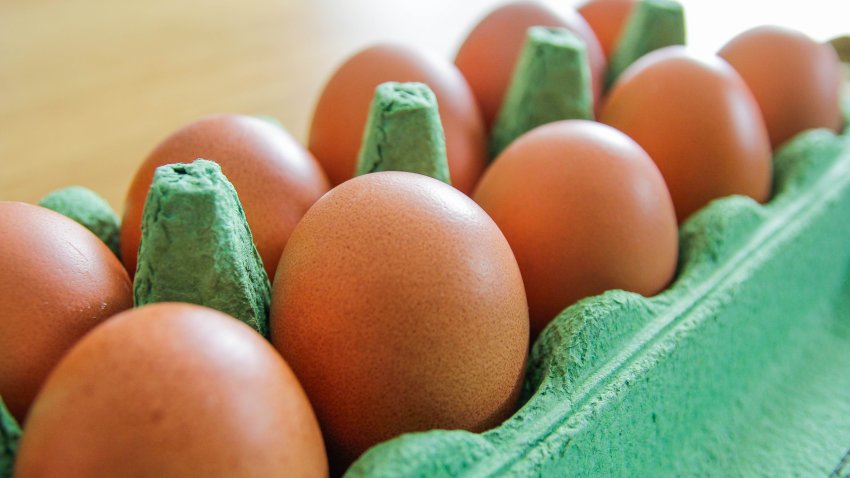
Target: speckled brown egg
point(57, 281)
point(699, 123)
point(400, 307)
point(172, 390)
point(585, 210)
point(276, 178)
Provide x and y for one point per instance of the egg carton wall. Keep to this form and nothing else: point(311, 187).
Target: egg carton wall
point(740, 368)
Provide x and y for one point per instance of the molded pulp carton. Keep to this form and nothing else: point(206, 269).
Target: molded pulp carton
point(740, 368)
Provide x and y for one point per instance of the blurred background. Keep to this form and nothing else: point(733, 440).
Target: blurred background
point(88, 88)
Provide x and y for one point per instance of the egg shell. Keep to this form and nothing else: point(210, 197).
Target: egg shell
point(585, 210)
point(795, 80)
point(336, 130)
point(607, 19)
point(58, 281)
point(699, 123)
point(172, 390)
point(400, 306)
point(276, 179)
point(490, 51)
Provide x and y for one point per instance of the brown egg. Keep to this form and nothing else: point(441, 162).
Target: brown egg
point(585, 210)
point(607, 19)
point(399, 305)
point(796, 81)
point(172, 390)
point(488, 54)
point(58, 280)
point(337, 128)
point(700, 124)
point(276, 178)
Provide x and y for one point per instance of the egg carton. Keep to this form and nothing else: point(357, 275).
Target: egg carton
point(740, 368)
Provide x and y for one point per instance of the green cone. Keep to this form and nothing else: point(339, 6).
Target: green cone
point(196, 246)
point(89, 209)
point(551, 82)
point(653, 24)
point(10, 435)
point(404, 133)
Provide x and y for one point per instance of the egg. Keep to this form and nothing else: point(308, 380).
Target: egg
point(339, 120)
point(698, 121)
point(276, 179)
point(607, 19)
point(58, 281)
point(796, 81)
point(172, 390)
point(400, 307)
point(489, 52)
point(585, 210)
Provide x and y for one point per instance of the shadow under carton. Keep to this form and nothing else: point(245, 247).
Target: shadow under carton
point(741, 367)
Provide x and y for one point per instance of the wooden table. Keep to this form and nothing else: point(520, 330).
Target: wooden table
point(88, 88)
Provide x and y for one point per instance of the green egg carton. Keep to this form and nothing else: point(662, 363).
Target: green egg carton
point(740, 368)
